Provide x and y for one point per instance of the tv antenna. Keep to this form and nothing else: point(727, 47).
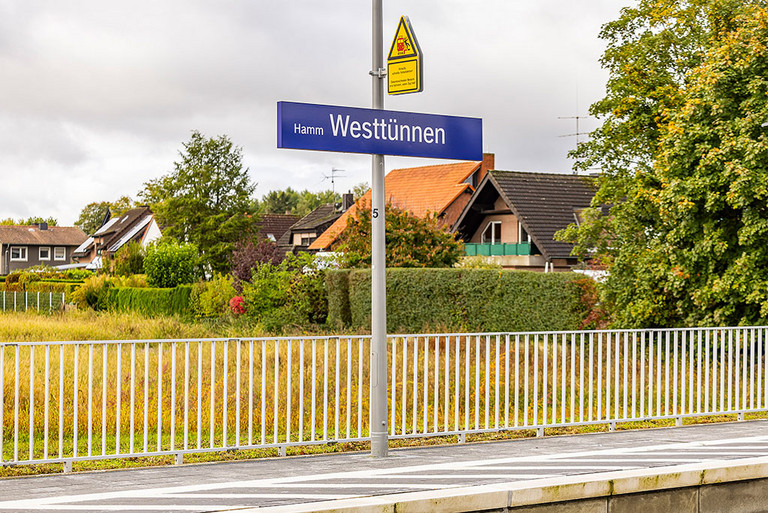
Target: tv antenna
point(578, 132)
point(334, 173)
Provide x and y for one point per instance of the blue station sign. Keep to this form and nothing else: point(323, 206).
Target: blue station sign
point(306, 126)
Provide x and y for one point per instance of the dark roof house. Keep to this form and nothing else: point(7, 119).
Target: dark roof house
point(273, 226)
point(307, 229)
point(27, 246)
point(137, 224)
point(513, 217)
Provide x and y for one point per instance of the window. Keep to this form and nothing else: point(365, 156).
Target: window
point(44, 253)
point(524, 235)
point(18, 253)
point(492, 233)
point(59, 253)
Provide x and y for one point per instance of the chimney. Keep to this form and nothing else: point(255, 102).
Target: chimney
point(489, 163)
point(42, 226)
point(347, 200)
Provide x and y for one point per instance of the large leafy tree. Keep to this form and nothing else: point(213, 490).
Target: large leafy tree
point(684, 161)
point(93, 214)
point(205, 200)
point(411, 241)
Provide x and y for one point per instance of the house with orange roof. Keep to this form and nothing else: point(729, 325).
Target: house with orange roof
point(443, 190)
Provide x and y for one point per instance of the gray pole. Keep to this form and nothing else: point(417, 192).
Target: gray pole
point(379, 443)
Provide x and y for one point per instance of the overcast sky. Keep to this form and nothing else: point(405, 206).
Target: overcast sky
point(96, 97)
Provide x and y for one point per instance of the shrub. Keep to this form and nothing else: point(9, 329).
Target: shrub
point(247, 256)
point(93, 293)
point(237, 305)
point(466, 300)
point(128, 260)
point(150, 301)
point(290, 293)
point(211, 298)
point(170, 263)
point(337, 285)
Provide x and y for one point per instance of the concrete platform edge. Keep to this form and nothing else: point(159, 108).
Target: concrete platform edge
point(544, 491)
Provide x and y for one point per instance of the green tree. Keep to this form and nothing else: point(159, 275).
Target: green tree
point(359, 190)
point(294, 202)
point(684, 162)
point(93, 214)
point(279, 202)
point(205, 200)
point(411, 241)
point(29, 221)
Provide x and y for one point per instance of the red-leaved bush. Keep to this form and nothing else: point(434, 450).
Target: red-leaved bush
point(237, 305)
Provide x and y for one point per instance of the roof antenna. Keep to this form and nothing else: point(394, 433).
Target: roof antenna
point(578, 132)
point(334, 173)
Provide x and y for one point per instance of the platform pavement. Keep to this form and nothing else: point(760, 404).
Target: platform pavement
point(321, 482)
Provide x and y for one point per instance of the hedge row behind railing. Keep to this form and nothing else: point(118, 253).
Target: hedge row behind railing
point(420, 300)
point(150, 301)
point(44, 286)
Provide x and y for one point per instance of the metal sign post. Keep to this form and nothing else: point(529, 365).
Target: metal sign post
point(378, 132)
point(378, 366)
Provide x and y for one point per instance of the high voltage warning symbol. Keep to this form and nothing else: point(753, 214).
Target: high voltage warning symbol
point(404, 62)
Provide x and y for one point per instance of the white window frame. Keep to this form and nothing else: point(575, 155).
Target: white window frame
point(493, 240)
point(520, 230)
point(22, 250)
point(56, 256)
point(40, 251)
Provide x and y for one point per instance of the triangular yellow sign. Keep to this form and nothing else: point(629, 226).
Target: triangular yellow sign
point(404, 45)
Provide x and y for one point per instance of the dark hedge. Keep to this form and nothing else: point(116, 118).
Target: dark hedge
point(485, 300)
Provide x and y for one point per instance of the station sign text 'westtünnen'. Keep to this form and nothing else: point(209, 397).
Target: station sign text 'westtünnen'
point(380, 132)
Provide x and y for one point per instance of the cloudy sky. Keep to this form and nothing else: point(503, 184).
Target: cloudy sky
point(96, 97)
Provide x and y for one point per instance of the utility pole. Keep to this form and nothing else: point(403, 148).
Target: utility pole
point(378, 366)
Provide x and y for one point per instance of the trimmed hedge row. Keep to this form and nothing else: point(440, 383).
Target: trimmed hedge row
point(150, 301)
point(486, 300)
point(57, 287)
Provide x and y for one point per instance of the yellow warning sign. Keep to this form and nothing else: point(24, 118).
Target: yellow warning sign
point(404, 62)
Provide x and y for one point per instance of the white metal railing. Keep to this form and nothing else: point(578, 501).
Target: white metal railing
point(70, 401)
point(12, 301)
